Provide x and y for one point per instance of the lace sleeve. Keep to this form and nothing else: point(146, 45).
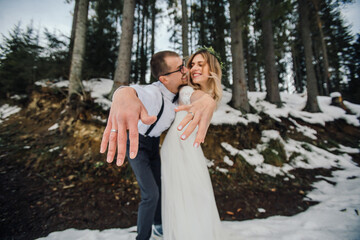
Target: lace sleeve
point(185, 95)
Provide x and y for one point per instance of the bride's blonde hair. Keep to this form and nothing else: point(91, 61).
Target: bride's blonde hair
point(215, 74)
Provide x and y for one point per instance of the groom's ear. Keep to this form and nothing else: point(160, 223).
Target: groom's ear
point(163, 79)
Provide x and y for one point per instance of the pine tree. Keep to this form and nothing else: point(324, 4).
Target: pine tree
point(271, 75)
point(312, 89)
point(122, 72)
point(352, 92)
point(339, 42)
point(325, 60)
point(102, 40)
point(19, 61)
point(54, 62)
point(239, 97)
point(185, 31)
point(249, 50)
point(75, 84)
point(154, 12)
point(73, 28)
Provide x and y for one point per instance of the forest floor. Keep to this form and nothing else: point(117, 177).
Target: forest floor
point(55, 180)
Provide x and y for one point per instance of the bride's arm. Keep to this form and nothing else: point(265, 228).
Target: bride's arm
point(202, 108)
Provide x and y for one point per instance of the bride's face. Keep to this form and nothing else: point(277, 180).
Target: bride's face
point(199, 71)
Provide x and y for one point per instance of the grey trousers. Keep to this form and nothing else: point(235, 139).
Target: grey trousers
point(146, 167)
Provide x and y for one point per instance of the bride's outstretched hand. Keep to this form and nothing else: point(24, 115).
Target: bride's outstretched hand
point(200, 112)
point(125, 112)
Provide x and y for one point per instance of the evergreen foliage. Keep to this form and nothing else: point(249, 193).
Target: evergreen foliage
point(102, 39)
point(23, 60)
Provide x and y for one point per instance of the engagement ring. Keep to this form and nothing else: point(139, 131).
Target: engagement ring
point(113, 130)
point(192, 114)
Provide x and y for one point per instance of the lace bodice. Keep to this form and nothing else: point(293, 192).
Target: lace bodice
point(185, 95)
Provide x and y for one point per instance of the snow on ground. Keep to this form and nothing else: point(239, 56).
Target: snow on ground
point(98, 87)
point(298, 154)
point(335, 217)
point(6, 111)
point(54, 127)
point(292, 106)
point(337, 214)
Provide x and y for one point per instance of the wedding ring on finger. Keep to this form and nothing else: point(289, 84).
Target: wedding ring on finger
point(192, 114)
point(114, 130)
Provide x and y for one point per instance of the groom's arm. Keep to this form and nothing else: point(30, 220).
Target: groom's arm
point(202, 106)
point(125, 112)
point(127, 109)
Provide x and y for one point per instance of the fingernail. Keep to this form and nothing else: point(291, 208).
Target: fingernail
point(132, 155)
point(183, 137)
point(196, 145)
point(180, 127)
point(109, 159)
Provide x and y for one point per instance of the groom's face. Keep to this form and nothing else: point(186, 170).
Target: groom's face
point(176, 76)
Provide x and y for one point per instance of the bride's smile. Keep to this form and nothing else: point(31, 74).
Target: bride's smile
point(200, 71)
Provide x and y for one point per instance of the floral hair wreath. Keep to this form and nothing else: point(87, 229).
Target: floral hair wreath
point(212, 52)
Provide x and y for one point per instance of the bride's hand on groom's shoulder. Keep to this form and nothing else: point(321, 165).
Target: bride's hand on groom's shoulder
point(125, 112)
point(200, 112)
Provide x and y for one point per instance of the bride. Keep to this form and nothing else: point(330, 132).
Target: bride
point(188, 204)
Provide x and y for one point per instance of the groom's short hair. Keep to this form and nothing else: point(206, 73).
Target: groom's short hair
point(158, 65)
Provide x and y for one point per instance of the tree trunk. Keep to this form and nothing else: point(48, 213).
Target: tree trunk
point(271, 76)
point(239, 96)
point(202, 27)
point(75, 84)
point(326, 74)
point(218, 35)
point(142, 48)
point(185, 31)
point(250, 74)
point(72, 37)
point(153, 19)
point(298, 77)
point(312, 90)
point(137, 58)
point(259, 77)
point(249, 65)
point(318, 66)
point(152, 44)
point(122, 72)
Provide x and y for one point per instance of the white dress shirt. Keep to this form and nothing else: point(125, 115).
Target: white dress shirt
point(151, 96)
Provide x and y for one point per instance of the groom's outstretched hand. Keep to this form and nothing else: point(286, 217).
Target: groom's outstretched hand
point(200, 111)
point(125, 112)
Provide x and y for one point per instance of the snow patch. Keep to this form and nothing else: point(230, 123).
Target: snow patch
point(53, 127)
point(6, 111)
point(228, 161)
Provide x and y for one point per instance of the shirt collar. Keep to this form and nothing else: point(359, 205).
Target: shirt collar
point(166, 92)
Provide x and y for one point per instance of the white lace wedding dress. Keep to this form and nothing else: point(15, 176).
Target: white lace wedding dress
point(188, 204)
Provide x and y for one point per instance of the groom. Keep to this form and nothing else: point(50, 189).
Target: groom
point(154, 105)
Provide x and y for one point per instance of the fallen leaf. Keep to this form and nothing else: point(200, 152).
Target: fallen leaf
point(68, 186)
